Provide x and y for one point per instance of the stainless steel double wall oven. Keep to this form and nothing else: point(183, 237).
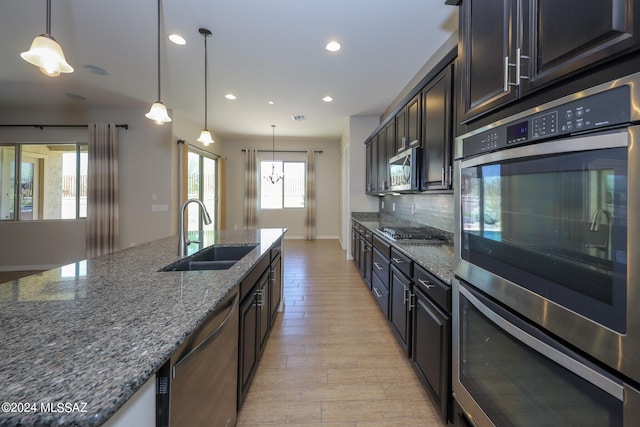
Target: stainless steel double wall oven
point(547, 290)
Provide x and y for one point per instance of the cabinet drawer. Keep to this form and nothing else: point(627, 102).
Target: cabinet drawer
point(402, 262)
point(380, 265)
point(380, 293)
point(382, 245)
point(436, 290)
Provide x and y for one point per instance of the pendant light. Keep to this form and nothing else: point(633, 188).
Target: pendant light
point(46, 53)
point(275, 176)
point(158, 111)
point(205, 135)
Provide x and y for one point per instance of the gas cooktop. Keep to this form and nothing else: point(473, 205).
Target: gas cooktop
point(410, 235)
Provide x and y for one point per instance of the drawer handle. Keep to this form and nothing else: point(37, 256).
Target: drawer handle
point(427, 284)
point(375, 290)
point(407, 296)
point(397, 260)
point(378, 266)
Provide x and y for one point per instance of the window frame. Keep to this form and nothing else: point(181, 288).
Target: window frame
point(281, 183)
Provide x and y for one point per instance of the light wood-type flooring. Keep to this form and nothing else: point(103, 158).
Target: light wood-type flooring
point(332, 359)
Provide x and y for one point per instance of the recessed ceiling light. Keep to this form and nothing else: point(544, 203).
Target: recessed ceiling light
point(327, 99)
point(230, 96)
point(298, 117)
point(96, 70)
point(177, 39)
point(333, 46)
point(270, 102)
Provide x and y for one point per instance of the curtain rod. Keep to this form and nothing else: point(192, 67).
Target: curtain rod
point(124, 126)
point(284, 151)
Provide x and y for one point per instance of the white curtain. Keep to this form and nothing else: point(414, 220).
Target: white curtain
point(251, 188)
point(310, 198)
point(103, 211)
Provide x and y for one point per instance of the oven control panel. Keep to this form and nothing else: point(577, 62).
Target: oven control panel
point(608, 108)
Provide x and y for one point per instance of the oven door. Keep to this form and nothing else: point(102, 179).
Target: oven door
point(544, 229)
point(509, 373)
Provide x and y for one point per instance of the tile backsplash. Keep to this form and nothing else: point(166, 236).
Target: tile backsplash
point(433, 210)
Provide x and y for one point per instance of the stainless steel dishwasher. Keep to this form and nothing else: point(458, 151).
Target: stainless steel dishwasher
point(204, 371)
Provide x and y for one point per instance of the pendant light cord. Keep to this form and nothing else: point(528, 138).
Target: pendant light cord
point(273, 145)
point(206, 90)
point(49, 17)
point(159, 1)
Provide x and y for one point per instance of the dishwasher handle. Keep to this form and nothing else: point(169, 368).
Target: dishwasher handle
point(232, 306)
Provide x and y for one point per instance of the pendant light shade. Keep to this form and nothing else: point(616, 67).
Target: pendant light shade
point(158, 112)
point(205, 135)
point(45, 52)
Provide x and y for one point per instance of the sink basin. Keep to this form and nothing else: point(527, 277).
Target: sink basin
point(212, 258)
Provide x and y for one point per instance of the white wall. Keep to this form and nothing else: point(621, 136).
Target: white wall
point(148, 171)
point(353, 174)
point(327, 188)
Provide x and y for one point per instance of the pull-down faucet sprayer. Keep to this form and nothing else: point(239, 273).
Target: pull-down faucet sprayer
point(184, 242)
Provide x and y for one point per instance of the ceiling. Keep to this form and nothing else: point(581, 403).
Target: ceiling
point(261, 51)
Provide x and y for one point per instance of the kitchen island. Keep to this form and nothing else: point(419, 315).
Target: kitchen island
point(80, 340)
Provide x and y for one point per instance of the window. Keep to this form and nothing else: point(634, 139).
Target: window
point(52, 181)
point(202, 185)
point(288, 192)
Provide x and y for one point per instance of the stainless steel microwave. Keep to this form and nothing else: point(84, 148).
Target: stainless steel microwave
point(404, 170)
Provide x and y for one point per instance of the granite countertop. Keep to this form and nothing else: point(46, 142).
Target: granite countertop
point(438, 259)
point(93, 332)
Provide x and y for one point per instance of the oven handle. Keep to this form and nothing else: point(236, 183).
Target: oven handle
point(607, 384)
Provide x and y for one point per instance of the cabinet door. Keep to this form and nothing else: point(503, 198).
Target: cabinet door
point(569, 35)
point(431, 348)
point(248, 356)
point(436, 124)
point(369, 169)
point(275, 282)
point(390, 132)
point(401, 130)
point(381, 294)
point(413, 122)
point(264, 313)
point(488, 35)
point(373, 177)
point(400, 294)
point(383, 183)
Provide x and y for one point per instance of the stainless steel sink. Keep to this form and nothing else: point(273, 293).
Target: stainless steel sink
point(212, 258)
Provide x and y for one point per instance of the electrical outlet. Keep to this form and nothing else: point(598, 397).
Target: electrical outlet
point(393, 206)
point(383, 204)
point(413, 209)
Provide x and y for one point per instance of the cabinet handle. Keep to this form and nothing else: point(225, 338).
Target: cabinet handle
point(412, 298)
point(375, 290)
point(519, 58)
point(426, 283)
point(397, 260)
point(376, 265)
point(407, 295)
point(508, 64)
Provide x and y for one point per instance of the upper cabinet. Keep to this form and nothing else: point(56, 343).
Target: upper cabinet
point(408, 125)
point(509, 48)
point(436, 132)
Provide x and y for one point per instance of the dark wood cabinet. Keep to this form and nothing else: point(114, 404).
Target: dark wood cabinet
point(509, 48)
point(437, 140)
point(408, 126)
point(485, 45)
point(371, 166)
point(380, 273)
point(380, 293)
point(275, 283)
point(390, 132)
point(256, 318)
point(431, 350)
point(383, 179)
point(399, 306)
point(567, 36)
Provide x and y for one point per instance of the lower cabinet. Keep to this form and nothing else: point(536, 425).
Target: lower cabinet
point(400, 306)
point(257, 312)
point(381, 293)
point(431, 350)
